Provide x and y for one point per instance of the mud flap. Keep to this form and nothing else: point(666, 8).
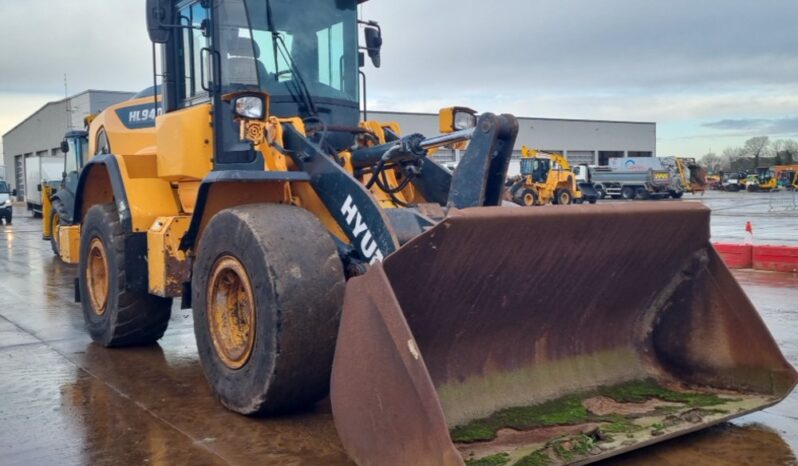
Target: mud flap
point(495, 309)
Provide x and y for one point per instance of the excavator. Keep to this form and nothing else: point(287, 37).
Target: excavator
point(547, 178)
point(324, 254)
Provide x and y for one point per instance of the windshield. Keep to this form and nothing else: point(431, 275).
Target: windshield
point(4, 188)
point(320, 37)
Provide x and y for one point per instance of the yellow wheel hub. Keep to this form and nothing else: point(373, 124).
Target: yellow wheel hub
point(529, 199)
point(97, 276)
point(231, 312)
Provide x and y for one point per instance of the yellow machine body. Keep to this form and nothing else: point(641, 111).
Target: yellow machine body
point(554, 184)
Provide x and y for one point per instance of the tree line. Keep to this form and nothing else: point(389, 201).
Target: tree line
point(757, 152)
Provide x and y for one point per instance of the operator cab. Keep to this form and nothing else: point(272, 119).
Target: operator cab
point(75, 147)
point(264, 57)
point(538, 168)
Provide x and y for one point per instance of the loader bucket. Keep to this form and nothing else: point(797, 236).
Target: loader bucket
point(548, 336)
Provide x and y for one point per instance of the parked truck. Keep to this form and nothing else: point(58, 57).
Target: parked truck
point(39, 171)
point(633, 184)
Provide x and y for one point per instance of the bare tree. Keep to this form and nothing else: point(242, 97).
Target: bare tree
point(730, 156)
point(757, 147)
point(786, 150)
point(712, 162)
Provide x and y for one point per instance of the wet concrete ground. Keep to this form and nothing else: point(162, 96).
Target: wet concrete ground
point(64, 400)
point(773, 216)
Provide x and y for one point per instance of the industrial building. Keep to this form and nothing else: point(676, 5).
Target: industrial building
point(41, 133)
point(581, 141)
point(592, 142)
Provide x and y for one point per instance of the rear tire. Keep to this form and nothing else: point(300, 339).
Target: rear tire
point(268, 289)
point(55, 222)
point(677, 195)
point(641, 194)
point(627, 192)
point(114, 315)
point(564, 196)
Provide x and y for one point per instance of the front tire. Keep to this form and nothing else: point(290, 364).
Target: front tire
point(268, 288)
point(114, 315)
point(526, 197)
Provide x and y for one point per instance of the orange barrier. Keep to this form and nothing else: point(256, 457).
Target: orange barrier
point(776, 258)
point(765, 257)
point(736, 256)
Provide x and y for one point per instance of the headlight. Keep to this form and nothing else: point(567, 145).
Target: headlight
point(7, 203)
point(456, 119)
point(464, 120)
point(249, 106)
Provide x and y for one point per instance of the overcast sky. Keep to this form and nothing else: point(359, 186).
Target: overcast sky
point(711, 74)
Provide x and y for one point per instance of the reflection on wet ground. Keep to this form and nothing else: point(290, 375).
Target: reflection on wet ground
point(64, 400)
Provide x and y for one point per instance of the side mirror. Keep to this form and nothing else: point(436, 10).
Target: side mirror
point(14, 192)
point(159, 19)
point(39, 187)
point(373, 35)
point(64, 146)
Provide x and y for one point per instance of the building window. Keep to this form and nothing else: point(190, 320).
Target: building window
point(640, 154)
point(605, 156)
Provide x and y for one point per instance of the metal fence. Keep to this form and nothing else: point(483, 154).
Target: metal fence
point(780, 201)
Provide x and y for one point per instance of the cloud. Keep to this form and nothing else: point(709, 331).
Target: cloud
point(774, 126)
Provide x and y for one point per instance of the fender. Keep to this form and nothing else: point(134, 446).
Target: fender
point(117, 194)
point(231, 176)
point(107, 186)
point(67, 210)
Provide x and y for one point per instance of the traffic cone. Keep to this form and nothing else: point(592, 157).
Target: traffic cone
point(749, 233)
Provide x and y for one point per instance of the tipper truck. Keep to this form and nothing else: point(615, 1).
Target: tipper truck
point(320, 254)
point(637, 184)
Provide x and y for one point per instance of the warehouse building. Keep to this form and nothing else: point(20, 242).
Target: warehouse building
point(593, 142)
point(41, 133)
point(581, 141)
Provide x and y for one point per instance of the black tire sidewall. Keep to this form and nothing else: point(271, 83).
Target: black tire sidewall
point(627, 193)
point(98, 225)
point(230, 384)
point(570, 196)
point(53, 233)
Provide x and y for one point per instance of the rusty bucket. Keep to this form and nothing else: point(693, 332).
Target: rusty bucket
point(559, 335)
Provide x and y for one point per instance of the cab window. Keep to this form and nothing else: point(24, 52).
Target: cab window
point(192, 41)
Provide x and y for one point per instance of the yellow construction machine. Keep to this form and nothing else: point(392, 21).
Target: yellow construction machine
point(692, 176)
point(547, 178)
point(321, 253)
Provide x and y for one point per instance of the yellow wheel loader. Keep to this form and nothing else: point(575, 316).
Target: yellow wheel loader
point(547, 178)
point(321, 253)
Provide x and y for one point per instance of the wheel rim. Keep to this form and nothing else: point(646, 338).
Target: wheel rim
point(231, 312)
point(564, 198)
point(529, 199)
point(97, 276)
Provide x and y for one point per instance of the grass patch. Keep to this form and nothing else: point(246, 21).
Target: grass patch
point(538, 458)
point(573, 447)
point(643, 390)
point(565, 411)
point(498, 459)
point(570, 411)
